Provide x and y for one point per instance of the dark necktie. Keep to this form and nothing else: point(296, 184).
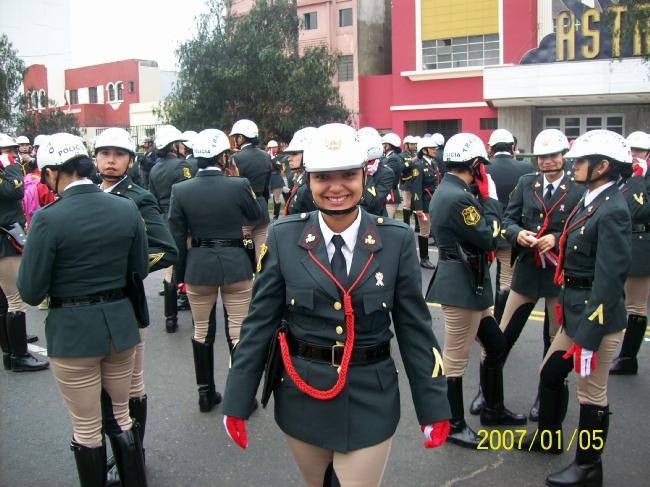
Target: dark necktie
point(339, 268)
point(549, 192)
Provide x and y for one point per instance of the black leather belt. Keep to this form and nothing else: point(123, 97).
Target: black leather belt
point(641, 228)
point(103, 297)
point(578, 282)
point(334, 354)
point(444, 254)
point(217, 242)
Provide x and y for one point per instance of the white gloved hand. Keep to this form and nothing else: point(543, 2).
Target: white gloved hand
point(492, 188)
point(586, 357)
point(6, 160)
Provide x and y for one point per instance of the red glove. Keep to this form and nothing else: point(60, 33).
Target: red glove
point(182, 288)
point(481, 181)
point(638, 170)
point(584, 360)
point(236, 429)
point(435, 434)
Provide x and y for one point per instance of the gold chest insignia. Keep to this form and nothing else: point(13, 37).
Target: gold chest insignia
point(471, 216)
point(310, 238)
point(582, 231)
point(589, 208)
point(562, 187)
point(538, 185)
point(638, 198)
point(380, 279)
point(561, 207)
point(263, 250)
point(369, 240)
point(186, 173)
point(372, 191)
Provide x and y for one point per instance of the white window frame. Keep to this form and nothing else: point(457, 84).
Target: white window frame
point(108, 92)
point(583, 121)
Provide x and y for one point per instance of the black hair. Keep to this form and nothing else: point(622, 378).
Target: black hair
point(83, 166)
point(616, 169)
point(503, 147)
point(203, 162)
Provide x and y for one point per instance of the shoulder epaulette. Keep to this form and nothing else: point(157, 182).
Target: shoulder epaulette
point(383, 221)
point(297, 217)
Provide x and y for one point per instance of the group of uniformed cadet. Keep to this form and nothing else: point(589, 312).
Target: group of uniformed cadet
point(321, 286)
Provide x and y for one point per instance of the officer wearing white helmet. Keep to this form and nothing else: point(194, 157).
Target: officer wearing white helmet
point(8, 145)
point(424, 185)
point(170, 168)
point(255, 165)
point(334, 331)
point(391, 143)
point(407, 178)
point(299, 199)
point(24, 149)
point(114, 155)
point(537, 211)
point(594, 258)
point(92, 325)
point(465, 219)
point(186, 149)
point(439, 140)
point(379, 177)
point(276, 181)
point(637, 284)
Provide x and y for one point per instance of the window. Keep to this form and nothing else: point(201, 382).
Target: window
point(310, 21)
point(42, 99)
point(120, 90)
point(574, 126)
point(74, 97)
point(346, 68)
point(34, 100)
point(345, 17)
point(131, 86)
point(92, 94)
point(111, 92)
point(489, 123)
point(461, 52)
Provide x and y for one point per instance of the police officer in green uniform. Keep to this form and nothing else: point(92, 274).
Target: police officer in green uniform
point(114, 154)
point(13, 327)
point(391, 143)
point(466, 227)
point(595, 255)
point(276, 182)
point(637, 284)
point(211, 208)
point(91, 327)
point(255, 165)
point(336, 276)
point(409, 174)
point(169, 170)
point(299, 200)
point(425, 183)
point(379, 177)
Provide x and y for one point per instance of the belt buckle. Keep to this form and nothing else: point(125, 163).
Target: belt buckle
point(336, 346)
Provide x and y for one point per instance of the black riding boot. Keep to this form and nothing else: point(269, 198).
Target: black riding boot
point(21, 359)
point(423, 244)
point(626, 363)
point(129, 458)
point(276, 210)
point(587, 469)
point(137, 411)
point(533, 414)
point(494, 412)
point(204, 369)
point(459, 432)
point(171, 313)
point(478, 402)
point(4, 336)
point(406, 216)
point(91, 464)
point(552, 410)
point(500, 299)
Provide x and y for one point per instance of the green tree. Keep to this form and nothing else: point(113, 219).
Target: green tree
point(11, 77)
point(45, 121)
point(249, 67)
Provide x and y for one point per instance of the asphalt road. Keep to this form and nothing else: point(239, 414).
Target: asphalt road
point(187, 448)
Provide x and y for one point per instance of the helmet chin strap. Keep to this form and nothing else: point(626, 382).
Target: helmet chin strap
point(550, 171)
point(347, 211)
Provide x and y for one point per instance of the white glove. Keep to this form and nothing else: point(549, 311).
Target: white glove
point(586, 357)
point(492, 189)
point(6, 160)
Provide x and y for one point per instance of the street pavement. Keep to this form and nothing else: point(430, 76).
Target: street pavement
point(186, 448)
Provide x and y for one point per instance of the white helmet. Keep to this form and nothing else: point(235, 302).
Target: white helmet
point(59, 149)
point(409, 139)
point(501, 136)
point(426, 143)
point(22, 140)
point(6, 141)
point(550, 141)
point(271, 144)
point(334, 147)
point(115, 137)
point(189, 138)
point(210, 143)
point(601, 143)
point(244, 127)
point(40, 140)
point(638, 140)
point(300, 140)
point(464, 147)
point(371, 140)
point(392, 139)
point(438, 139)
point(167, 134)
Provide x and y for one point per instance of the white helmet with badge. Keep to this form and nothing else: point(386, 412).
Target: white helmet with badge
point(334, 147)
point(115, 137)
point(6, 141)
point(603, 143)
point(59, 149)
point(463, 148)
point(210, 143)
point(300, 140)
point(409, 139)
point(189, 137)
point(22, 140)
point(271, 144)
point(392, 139)
point(167, 134)
point(638, 140)
point(550, 141)
point(438, 139)
point(244, 127)
point(501, 136)
point(371, 140)
point(426, 143)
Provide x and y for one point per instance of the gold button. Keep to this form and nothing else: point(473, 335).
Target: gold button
point(541, 215)
point(337, 306)
point(293, 301)
point(281, 380)
point(538, 227)
point(380, 220)
point(339, 330)
point(383, 305)
point(575, 247)
point(129, 186)
point(586, 302)
point(303, 215)
point(606, 198)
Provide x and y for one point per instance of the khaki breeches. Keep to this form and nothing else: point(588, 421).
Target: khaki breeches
point(236, 299)
point(505, 269)
point(277, 196)
point(168, 276)
point(406, 199)
point(357, 468)
point(461, 327)
point(593, 388)
point(258, 232)
point(636, 295)
point(391, 208)
point(515, 300)
point(81, 381)
point(137, 378)
point(8, 275)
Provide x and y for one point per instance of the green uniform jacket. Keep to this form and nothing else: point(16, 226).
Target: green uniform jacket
point(457, 216)
point(161, 247)
point(292, 286)
point(300, 200)
point(409, 172)
point(84, 243)
point(167, 172)
point(396, 163)
point(11, 205)
point(255, 165)
point(527, 210)
point(635, 192)
point(597, 247)
point(212, 206)
point(377, 187)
